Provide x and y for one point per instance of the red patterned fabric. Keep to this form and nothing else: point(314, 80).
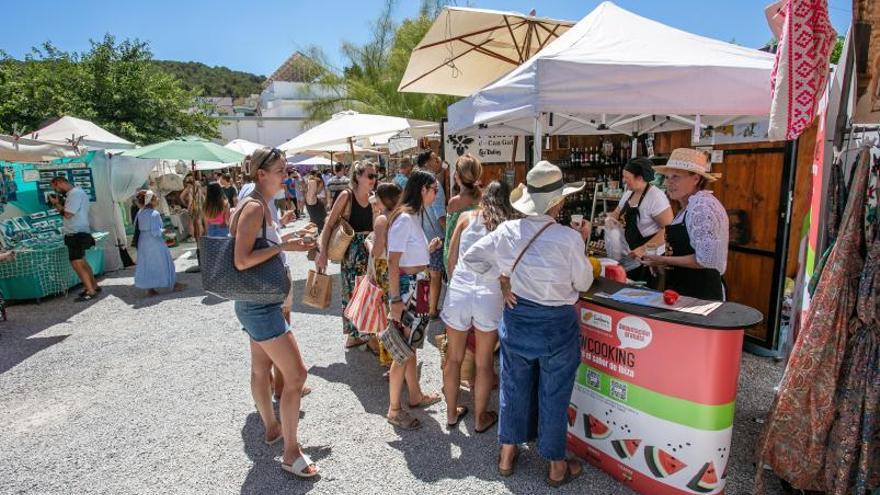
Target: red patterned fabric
point(794, 442)
point(366, 310)
point(801, 67)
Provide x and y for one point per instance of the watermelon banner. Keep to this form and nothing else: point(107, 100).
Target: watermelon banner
point(653, 402)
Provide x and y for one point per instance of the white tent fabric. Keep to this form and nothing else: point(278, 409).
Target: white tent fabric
point(68, 129)
point(207, 165)
point(30, 150)
point(615, 62)
point(344, 126)
point(313, 160)
point(243, 146)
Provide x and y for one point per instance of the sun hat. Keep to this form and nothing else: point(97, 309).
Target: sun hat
point(689, 160)
point(543, 190)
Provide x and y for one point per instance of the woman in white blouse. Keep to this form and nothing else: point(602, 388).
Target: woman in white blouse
point(698, 236)
point(543, 269)
point(408, 255)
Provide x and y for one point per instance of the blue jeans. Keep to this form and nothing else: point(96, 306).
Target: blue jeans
point(540, 354)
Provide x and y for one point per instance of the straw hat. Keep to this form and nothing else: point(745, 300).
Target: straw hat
point(543, 190)
point(689, 160)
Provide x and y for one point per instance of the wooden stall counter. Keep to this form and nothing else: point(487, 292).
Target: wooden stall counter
point(654, 397)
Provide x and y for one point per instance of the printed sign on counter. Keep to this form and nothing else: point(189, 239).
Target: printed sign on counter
point(653, 401)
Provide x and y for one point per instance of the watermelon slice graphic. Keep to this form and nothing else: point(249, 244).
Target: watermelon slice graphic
point(661, 463)
point(625, 449)
point(706, 480)
point(572, 414)
point(595, 429)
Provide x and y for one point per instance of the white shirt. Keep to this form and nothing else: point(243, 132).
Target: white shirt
point(76, 202)
point(708, 228)
point(654, 203)
point(552, 272)
point(406, 236)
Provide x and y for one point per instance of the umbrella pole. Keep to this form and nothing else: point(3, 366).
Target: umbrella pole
point(351, 147)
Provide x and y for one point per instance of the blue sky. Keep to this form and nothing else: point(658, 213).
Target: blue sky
point(258, 35)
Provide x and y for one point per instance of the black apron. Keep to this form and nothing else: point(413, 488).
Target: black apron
point(702, 283)
point(635, 239)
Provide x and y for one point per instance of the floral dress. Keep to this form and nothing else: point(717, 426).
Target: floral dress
point(354, 265)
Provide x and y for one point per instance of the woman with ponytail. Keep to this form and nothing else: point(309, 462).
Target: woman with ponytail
point(468, 171)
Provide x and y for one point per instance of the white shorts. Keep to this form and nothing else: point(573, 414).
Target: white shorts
point(472, 302)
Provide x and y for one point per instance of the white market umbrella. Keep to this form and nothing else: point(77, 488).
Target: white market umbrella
point(243, 146)
point(345, 128)
point(82, 133)
point(616, 69)
point(314, 161)
point(465, 49)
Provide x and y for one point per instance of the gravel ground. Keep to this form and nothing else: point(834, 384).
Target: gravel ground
point(133, 395)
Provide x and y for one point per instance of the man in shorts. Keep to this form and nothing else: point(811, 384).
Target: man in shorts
point(77, 233)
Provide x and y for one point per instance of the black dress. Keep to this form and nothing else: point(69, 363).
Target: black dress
point(702, 283)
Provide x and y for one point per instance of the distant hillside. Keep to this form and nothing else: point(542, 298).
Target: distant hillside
point(214, 81)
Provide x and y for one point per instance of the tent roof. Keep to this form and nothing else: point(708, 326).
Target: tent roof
point(616, 62)
point(14, 149)
point(67, 128)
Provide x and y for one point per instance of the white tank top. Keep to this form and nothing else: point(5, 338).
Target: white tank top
point(475, 231)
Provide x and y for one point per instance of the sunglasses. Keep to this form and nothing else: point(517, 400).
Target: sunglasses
point(372, 176)
point(275, 153)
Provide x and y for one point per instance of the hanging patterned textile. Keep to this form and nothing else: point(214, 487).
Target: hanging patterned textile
point(795, 437)
point(798, 79)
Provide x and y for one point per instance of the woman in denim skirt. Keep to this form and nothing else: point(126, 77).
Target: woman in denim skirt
point(270, 341)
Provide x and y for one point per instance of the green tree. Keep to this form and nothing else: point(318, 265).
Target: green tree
point(373, 71)
point(114, 84)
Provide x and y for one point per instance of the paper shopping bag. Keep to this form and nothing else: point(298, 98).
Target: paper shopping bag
point(319, 289)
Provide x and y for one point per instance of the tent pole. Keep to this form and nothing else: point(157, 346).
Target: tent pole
point(635, 145)
point(537, 143)
point(351, 147)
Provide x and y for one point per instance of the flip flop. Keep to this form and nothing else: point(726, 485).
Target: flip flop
point(427, 401)
point(404, 421)
point(298, 468)
point(491, 423)
point(356, 343)
point(275, 440)
point(508, 472)
point(568, 478)
point(462, 412)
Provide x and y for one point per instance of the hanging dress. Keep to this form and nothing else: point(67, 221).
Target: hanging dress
point(794, 442)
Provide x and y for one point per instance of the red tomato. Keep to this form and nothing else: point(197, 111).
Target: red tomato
point(670, 296)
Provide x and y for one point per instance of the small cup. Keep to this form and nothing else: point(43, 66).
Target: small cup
point(577, 220)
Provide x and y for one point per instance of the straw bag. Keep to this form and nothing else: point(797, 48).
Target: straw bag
point(366, 309)
point(341, 236)
point(319, 289)
point(266, 283)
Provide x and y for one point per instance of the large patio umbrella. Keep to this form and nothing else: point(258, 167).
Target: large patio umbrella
point(187, 148)
point(345, 128)
point(243, 146)
point(466, 49)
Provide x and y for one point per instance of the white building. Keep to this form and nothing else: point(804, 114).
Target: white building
point(282, 111)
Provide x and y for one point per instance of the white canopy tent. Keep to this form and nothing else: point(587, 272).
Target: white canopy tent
point(467, 48)
point(73, 131)
point(616, 71)
point(19, 149)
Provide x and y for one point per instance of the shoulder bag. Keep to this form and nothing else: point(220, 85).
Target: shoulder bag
point(342, 234)
point(266, 283)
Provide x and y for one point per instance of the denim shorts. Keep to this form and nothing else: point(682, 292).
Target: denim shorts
point(436, 263)
point(261, 321)
point(216, 230)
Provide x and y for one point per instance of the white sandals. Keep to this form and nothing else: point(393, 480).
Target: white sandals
point(299, 466)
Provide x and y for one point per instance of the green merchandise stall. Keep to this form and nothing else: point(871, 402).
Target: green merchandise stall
point(32, 229)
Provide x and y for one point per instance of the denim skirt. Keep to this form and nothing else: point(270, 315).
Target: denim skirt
point(261, 321)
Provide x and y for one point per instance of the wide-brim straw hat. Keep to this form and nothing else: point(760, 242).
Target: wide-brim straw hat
point(543, 190)
point(689, 160)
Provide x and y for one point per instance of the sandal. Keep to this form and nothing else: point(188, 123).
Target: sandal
point(351, 343)
point(509, 471)
point(569, 476)
point(86, 297)
point(491, 423)
point(275, 440)
point(404, 421)
point(299, 466)
point(462, 412)
point(427, 401)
